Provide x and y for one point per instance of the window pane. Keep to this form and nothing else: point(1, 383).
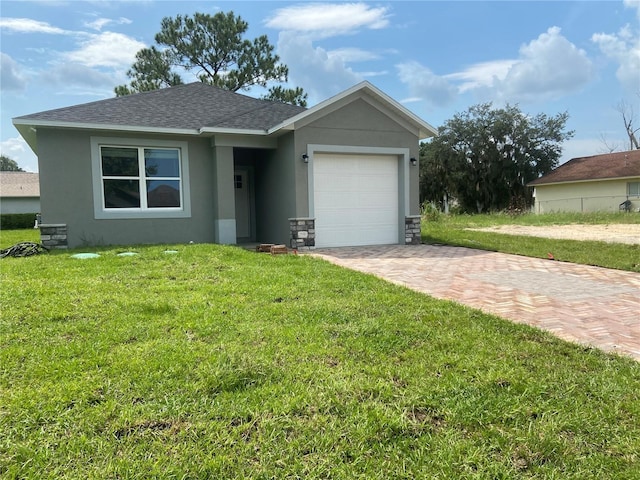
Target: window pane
point(122, 194)
point(119, 162)
point(634, 189)
point(163, 193)
point(161, 162)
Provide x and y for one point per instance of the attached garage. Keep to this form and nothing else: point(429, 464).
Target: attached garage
point(356, 199)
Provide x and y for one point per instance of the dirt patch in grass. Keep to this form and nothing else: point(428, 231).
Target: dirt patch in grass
point(619, 233)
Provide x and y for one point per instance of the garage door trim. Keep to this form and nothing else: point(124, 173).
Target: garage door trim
point(403, 155)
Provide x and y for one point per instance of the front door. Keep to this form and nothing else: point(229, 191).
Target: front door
point(243, 204)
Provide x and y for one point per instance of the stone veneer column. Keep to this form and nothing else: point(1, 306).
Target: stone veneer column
point(412, 234)
point(53, 235)
point(302, 232)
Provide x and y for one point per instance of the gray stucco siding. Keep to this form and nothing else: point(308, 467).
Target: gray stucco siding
point(67, 194)
point(357, 124)
point(20, 205)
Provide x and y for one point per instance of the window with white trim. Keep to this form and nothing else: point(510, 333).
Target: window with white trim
point(140, 178)
point(137, 178)
point(633, 189)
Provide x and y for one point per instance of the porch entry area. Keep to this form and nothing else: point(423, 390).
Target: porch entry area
point(260, 196)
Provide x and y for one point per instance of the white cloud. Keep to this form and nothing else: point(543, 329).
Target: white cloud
point(349, 54)
point(75, 75)
point(106, 49)
point(633, 4)
point(423, 83)
point(322, 20)
point(17, 149)
point(319, 73)
point(27, 25)
point(482, 75)
point(623, 48)
point(547, 68)
point(11, 78)
point(324, 72)
point(99, 23)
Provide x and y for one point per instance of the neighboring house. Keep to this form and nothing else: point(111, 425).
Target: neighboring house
point(202, 164)
point(601, 183)
point(19, 192)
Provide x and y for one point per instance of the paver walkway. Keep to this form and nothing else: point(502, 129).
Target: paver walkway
point(589, 305)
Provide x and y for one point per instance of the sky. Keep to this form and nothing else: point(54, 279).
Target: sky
point(437, 58)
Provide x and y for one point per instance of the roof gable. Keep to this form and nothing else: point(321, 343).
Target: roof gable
point(19, 184)
point(370, 93)
point(597, 167)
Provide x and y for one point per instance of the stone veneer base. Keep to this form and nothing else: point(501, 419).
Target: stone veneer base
point(53, 235)
point(302, 232)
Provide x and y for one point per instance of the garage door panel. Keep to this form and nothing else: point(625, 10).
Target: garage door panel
point(355, 199)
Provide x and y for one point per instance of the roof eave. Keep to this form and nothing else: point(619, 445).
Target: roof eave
point(102, 126)
point(584, 180)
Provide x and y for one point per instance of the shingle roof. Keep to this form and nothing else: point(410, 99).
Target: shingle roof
point(19, 184)
point(597, 167)
point(190, 106)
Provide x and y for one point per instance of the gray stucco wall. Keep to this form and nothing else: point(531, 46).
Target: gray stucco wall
point(356, 124)
point(66, 194)
point(20, 205)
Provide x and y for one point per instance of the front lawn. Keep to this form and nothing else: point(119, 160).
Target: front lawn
point(456, 230)
point(215, 362)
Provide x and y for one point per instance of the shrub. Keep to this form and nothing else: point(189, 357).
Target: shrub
point(17, 221)
point(430, 212)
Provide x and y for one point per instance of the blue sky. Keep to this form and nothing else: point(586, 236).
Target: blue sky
point(436, 58)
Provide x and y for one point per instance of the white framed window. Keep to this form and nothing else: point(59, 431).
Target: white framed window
point(633, 189)
point(140, 179)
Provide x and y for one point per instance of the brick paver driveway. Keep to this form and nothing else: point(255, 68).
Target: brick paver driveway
point(589, 305)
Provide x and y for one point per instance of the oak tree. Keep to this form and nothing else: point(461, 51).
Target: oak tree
point(485, 157)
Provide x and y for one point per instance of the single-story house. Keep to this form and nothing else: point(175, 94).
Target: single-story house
point(196, 163)
point(600, 183)
point(19, 192)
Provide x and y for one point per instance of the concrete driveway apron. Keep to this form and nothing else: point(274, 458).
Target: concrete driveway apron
point(593, 306)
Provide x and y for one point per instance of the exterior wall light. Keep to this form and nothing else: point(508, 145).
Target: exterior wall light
point(305, 158)
point(413, 161)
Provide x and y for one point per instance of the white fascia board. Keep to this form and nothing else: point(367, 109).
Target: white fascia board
point(586, 180)
point(425, 129)
point(232, 131)
point(102, 126)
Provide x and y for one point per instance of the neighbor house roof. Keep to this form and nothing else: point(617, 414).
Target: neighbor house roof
point(597, 167)
point(195, 109)
point(19, 184)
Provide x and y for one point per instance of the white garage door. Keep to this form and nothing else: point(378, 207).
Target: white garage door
point(355, 199)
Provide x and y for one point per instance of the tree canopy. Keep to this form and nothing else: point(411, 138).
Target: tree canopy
point(214, 46)
point(9, 165)
point(484, 157)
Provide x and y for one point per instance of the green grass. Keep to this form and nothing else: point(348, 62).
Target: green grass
point(221, 363)
point(455, 230)
point(11, 237)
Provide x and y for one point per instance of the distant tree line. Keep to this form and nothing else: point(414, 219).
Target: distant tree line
point(483, 158)
point(9, 165)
